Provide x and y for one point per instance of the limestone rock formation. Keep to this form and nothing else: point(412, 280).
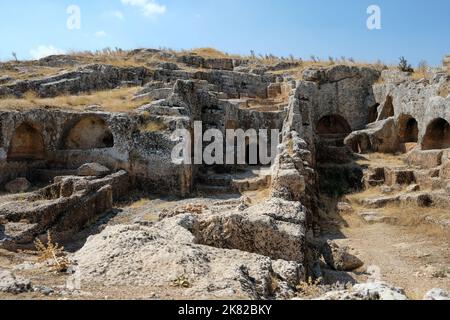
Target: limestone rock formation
point(93, 170)
point(269, 233)
point(437, 294)
point(339, 258)
point(367, 291)
point(18, 185)
point(156, 256)
point(9, 283)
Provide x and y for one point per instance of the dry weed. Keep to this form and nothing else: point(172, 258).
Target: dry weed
point(52, 253)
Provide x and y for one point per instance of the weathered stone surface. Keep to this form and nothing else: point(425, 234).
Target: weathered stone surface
point(367, 291)
point(425, 159)
point(339, 258)
point(63, 208)
point(155, 256)
point(207, 63)
point(445, 170)
point(90, 78)
point(437, 294)
point(279, 220)
point(399, 177)
point(5, 79)
point(9, 283)
point(373, 217)
point(380, 136)
point(18, 185)
point(344, 208)
point(341, 90)
point(93, 170)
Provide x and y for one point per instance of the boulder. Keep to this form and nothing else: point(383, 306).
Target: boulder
point(344, 208)
point(339, 258)
point(93, 170)
point(425, 159)
point(274, 228)
point(5, 79)
point(18, 185)
point(367, 291)
point(437, 294)
point(156, 256)
point(10, 284)
point(373, 217)
point(380, 136)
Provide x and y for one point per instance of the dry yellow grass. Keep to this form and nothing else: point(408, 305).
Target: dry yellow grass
point(155, 126)
point(408, 215)
point(382, 160)
point(445, 90)
point(117, 100)
point(28, 71)
point(356, 198)
point(414, 218)
point(208, 53)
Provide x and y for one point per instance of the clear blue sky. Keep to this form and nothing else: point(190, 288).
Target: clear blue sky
point(417, 29)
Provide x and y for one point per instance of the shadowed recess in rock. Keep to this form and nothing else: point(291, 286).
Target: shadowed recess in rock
point(437, 135)
point(26, 144)
point(90, 132)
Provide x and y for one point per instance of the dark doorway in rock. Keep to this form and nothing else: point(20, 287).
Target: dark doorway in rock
point(333, 125)
point(388, 109)
point(408, 129)
point(27, 143)
point(373, 113)
point(437, 135)
point(91, 132)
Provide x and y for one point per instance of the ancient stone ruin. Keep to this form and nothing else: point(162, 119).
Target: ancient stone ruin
point(234, 231)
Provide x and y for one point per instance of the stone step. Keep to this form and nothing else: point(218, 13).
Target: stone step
point(16, 233)
point(214, 190)
point(223, 180)
point(254, 184)
point(373, 217)
point(378, 176)
point(419, 199)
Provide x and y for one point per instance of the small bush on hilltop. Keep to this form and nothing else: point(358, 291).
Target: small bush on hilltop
point(404, 65)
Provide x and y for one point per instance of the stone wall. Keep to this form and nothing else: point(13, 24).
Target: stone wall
point(145, 155)
point(340, 90)
point(409, 111)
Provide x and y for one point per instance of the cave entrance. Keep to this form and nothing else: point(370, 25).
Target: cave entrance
point(27, 143)
point(91, 132)
point(388, 109)
point(437, 135)
point(408, 129)
point(373, 113)
point(333, 126)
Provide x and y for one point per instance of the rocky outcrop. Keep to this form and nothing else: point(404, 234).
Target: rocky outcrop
point(207, 63)
point(156, 256)
point(283, 222)
point(341, 90)
point(9, 283)
point(93, 170)
point(18, 185)
point(90, 78)
point(62, 208)
point(437, 295)
point(339, 258)
point(367, 291)
point(380, 136)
